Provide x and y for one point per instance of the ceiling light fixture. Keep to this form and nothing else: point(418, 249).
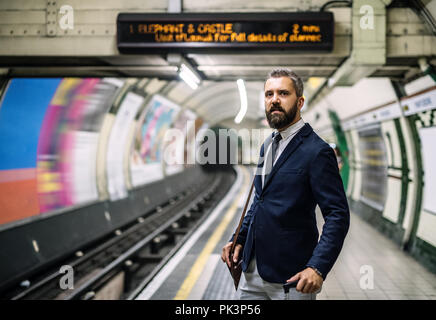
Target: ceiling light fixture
point(244, 104)
point(189, 76)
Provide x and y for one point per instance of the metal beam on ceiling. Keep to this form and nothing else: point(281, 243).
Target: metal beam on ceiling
point(369, 46)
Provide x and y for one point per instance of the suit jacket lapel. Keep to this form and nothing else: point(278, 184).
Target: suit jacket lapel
point(290, 148)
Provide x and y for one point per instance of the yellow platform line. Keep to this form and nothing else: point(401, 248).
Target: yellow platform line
point(197, 268)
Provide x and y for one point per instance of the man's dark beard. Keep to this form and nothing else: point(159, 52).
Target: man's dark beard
point(280, 120)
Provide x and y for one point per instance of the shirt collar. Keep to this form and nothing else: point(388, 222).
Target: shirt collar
point(292, 130)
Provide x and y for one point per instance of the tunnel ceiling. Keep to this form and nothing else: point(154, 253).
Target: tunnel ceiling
point(217, 99)
point(90, 50)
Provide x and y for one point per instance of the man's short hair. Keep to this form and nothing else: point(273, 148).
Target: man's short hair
point(285, 72)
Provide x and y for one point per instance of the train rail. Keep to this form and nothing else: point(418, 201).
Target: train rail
point(128, 259)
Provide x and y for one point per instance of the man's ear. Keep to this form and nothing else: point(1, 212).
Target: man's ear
point(300, 102)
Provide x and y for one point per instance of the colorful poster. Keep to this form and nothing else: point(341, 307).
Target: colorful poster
point(21, 116)
point(146, 161)
point(176, 144)
point(67, 149)
point(49, 133)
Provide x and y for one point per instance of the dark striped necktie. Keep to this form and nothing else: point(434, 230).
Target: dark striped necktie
point(272, 155)
point(275, 146)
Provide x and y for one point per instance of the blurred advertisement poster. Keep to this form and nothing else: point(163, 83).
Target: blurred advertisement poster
point(117, 140)
point(67, 148)
point(176, 142)
point(22, 109)
point(146, 160)
point(374, 166)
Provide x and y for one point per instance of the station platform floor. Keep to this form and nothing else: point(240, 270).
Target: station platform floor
point(196, 272)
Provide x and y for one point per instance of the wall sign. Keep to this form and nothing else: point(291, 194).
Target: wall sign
point(419, 102)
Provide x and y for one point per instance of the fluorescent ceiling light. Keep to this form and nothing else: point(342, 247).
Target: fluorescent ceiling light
point(243, 95)
point(331, 82)
point(189, 77)
point(315, 82)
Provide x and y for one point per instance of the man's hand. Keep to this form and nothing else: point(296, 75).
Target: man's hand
point(225, 256)
point(308, 281)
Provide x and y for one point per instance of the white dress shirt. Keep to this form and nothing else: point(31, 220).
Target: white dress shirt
point(287, 136)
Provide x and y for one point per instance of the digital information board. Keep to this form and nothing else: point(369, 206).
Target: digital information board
point(302, 31)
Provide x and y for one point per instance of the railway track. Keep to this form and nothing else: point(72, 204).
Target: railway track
point(127, 260)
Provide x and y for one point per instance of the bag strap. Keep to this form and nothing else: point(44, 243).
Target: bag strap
point(242, 218)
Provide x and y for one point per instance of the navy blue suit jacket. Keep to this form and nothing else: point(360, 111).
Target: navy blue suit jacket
point(280, 227)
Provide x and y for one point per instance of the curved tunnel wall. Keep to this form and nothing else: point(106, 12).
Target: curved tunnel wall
point(80, 158)
point(391, 152)
point(70, 141)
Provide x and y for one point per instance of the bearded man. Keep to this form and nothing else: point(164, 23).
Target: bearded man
point(278, 240)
